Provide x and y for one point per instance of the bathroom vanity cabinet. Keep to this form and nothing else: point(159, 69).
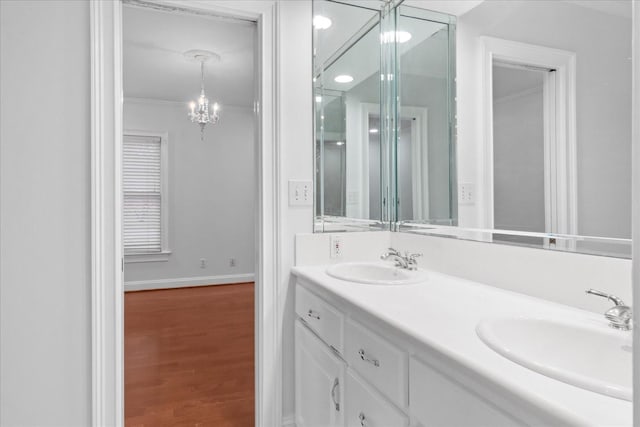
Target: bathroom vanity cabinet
point(387, 356)
point(348, 375)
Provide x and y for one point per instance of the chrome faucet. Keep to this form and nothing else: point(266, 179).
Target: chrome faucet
point(620, 316)
point(407, 262)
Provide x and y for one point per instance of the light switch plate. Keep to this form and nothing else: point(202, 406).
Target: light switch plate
point(300, 192)
point(467, 194)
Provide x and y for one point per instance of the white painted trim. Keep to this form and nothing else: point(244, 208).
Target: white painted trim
point(289, 421)
point(550, 172)
point(564, 62)
point(107, 315)
point(187, 282)
point(419, 158)
point(366, 110)
point(157, 257)
point(107, 391)
point(635, 144)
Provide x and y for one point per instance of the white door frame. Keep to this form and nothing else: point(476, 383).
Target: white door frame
point(563, 198)
point(419, 159)
point(635, 226)
point(419, 156)
point(106, 206)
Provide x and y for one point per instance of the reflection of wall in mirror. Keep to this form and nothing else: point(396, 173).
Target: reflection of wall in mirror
point(518, 149)
point(334, 178)
point(405, 171)
point(374, 168)
point(602, 43)
point(423, 85)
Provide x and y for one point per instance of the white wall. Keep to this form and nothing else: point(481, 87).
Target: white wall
point(45, 268)
point(560, 277)
point(211, 192)
point(296, 148)
point(45, 203)
point(602, 45)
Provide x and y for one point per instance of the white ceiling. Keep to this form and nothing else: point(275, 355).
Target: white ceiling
point(154, 66)
point(621, 8)
point(452, 7)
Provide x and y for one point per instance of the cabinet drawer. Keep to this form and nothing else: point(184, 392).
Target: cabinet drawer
point(366, 407)
point(321, 317)
point(380, 362)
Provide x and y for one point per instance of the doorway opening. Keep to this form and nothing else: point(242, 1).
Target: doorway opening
point(529, 139)
point(189, 186)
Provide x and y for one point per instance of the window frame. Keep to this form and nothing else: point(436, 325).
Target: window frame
point(165, 251)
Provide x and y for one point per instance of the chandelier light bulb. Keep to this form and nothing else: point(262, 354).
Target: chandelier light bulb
point(204, 114)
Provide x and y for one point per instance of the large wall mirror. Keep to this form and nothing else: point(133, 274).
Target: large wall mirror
point(383, 91)
point(501, 121)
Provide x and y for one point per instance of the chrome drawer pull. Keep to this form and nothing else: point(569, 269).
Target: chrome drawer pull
point(313, 314)
point(336, 383)
point(374, 362)
point(363, 419)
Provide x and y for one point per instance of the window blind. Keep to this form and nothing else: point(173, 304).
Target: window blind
point(142, 188)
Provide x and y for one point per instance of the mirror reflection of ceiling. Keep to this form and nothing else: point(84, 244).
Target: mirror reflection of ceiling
point(155, 68)
point(346, 20)
point(359, 63)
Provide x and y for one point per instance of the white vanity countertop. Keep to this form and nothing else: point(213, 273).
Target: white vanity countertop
point(443, 313)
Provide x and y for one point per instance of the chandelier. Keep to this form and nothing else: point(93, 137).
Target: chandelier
point(202, 111)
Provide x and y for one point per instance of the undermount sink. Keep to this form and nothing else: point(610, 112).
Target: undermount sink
point(589, 358)
point(376, 273)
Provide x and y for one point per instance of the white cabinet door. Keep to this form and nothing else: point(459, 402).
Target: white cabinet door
point(437, 401)
point(319, 381)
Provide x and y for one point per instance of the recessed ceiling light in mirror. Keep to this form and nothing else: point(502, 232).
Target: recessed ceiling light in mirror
point(397, 36)
point(340, 143)
point(318, 98)
point(321, 22)
point(343, 78)
point(373, 130)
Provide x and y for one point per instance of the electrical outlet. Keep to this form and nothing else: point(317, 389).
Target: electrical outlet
point(203, 263)
point(336, 246)
point(232, 262)
point(300, 192)
point(467, 194)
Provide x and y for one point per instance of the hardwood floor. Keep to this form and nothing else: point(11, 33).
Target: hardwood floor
point(189, 357)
